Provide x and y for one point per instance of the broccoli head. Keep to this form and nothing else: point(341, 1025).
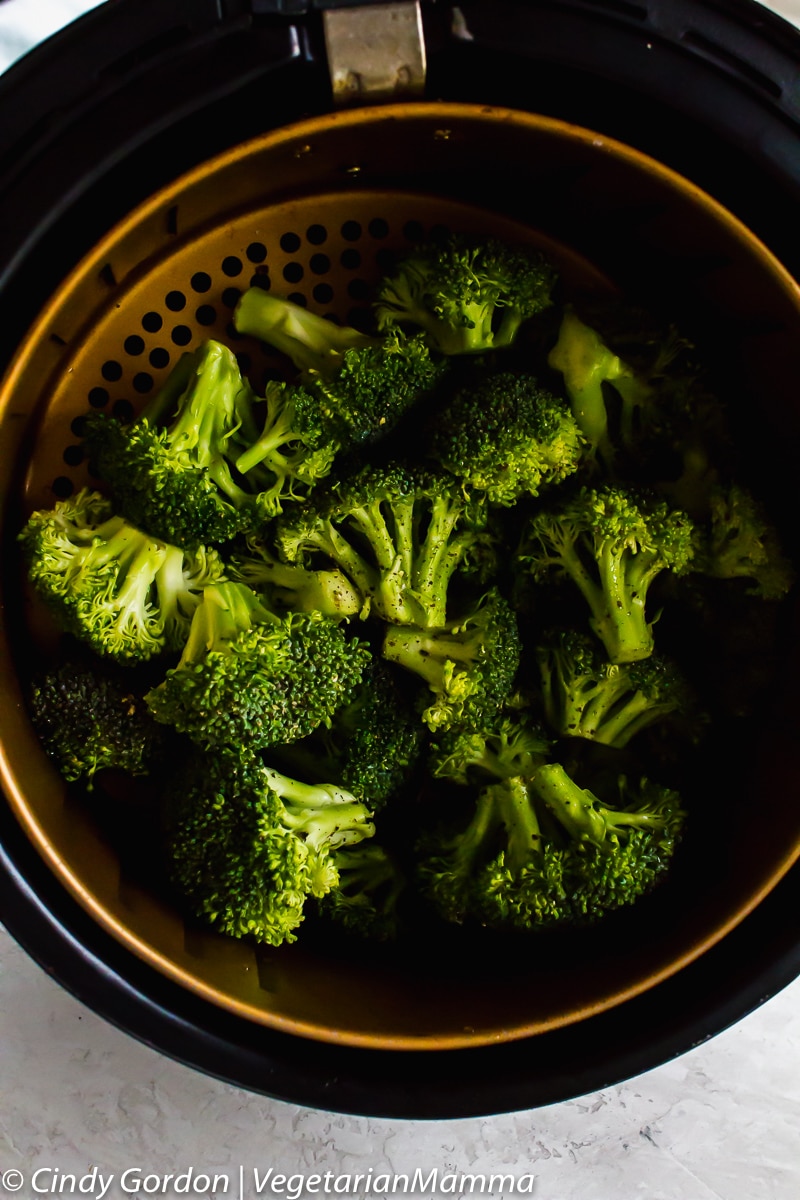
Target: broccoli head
point(469, 666)
point(507, 436)
point(539, 850)
point(249, 677)
point(612, 543)
point(123, 592)
point(168, 470)
point(361, 385)
point(468, 295)
point(586, 696)
point(397, 535)
point(90, 718)
point(740, 542)
point(247, 846)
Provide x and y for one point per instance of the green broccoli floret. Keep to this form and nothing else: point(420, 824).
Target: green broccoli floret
point(612, 543)
point(362, 385)
point(539, 850)
point(126, 594)
point(740, 542)
point(469, 666)
point(296, 445)
point(90, 718)
point(507, 436)
point(247, 846)
point(373, 742)
point(584, 695)
point(509, 747)
point(366, 899)
point(293, 587)
point(169, 470)
point(469, 295)
point(609, 856)
point(249, 677)
point(397, 535)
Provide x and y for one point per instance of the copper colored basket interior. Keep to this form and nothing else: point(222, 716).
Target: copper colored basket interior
point(310, 211)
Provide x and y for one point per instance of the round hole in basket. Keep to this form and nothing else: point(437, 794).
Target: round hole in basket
point(315, 211)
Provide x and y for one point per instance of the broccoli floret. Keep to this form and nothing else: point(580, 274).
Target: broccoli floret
point(539, 850)
point(469, 666)
point(246, 846)
point(740, 542)
point(612, 543)
point(469, 295)
point(293, 587)
point(365, 901)
point(398, 536)
point(510, 747)
point(361, 385)
point(126, 594)
point(90, 718)
point(249, 677)
point(295, 444)
point(372, 745)
point(584, 695)
point(168, 470)
point(622, 394)
point(507, 436)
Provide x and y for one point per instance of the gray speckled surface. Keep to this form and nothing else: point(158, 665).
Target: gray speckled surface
point(77, 1096)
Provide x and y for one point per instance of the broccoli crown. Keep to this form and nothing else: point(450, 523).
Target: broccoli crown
point(293, 451)
point(468, 295)
point(360, 385)
point(168, 470)
point(126, 594)
point(612, 543)
point(248, 677)
point(540, 850)
point(365, 900)
point(375, 386)
point(584, 695)
point(89, 718)
point(469, 666)
point(397, 535)
point(740, 542)
point(154, 489)
point(507, 436)
point(246, 846)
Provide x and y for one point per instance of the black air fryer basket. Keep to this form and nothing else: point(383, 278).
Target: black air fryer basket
point(135, 93)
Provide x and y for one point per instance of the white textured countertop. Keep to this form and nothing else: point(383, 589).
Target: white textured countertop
point(85, 1109)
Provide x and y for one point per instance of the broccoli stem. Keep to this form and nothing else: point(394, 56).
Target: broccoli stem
point(438, 558)
point(519, 818)
point(426, 653)
point(327, 814)
point(581, 814)
point(313, 343)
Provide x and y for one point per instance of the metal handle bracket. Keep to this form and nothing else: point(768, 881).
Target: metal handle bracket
point(376, 52)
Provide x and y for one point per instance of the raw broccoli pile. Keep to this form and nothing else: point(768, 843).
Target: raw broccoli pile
point(409, 636)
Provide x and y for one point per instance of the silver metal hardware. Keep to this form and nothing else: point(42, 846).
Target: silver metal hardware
point(375, 52)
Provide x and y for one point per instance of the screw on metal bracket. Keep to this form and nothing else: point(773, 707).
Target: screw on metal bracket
point(375, 52)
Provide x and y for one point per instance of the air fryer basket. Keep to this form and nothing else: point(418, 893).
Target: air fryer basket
point(293, 202)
